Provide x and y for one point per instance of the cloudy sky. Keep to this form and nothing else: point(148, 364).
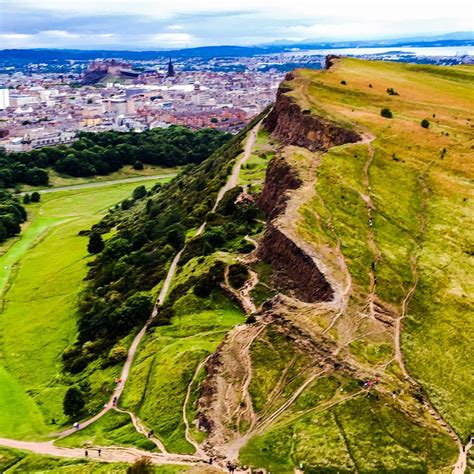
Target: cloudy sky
point(150, 24)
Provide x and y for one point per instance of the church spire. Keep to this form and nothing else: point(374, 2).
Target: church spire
point(170, 72)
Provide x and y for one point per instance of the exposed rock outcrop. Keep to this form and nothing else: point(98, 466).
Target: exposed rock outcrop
point(293, 126)
point(279, 179)
point(294, 270)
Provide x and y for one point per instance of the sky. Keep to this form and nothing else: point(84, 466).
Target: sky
point(157, 24)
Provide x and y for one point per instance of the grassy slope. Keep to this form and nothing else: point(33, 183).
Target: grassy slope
point(411, 182)
point(332, 427)
point(38, 321)
point(167, 359)
point(113, 429)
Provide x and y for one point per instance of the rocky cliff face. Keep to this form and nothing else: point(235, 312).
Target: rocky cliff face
point(293, 126)
point(279, 179)
point(293, 269)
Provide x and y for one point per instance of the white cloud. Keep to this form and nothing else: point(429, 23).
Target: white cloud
point(171, 40)
point(60, 34)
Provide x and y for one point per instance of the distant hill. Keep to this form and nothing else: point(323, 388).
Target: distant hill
point(49, 55)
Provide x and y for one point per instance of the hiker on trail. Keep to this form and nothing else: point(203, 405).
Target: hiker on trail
point(76, 425)
point(114, 401)
point(99, 451)
point(211, 461)
point(86, 453)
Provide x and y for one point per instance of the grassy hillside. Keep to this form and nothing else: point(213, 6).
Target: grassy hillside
point(420, 183)
point(41, 277)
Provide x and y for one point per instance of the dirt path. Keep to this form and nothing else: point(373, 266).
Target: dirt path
point(108, 453)
point(187, 432)
point(233, 179)
point(142, 429)
point(100, 184)
point(371, 297)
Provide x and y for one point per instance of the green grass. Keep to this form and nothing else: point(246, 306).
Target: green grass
point(358, 435)
point(166, 361)
point(114, 428)
point(44, 270)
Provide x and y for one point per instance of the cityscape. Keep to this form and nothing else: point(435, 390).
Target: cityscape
point(43, 108)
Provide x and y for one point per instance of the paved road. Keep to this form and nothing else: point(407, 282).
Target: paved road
point(100, 184)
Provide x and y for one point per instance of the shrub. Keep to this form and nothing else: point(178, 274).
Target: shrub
point(391, 91)
point(238, 275)
point(139, 192)
point(138, 165)
point(35, 197)
point(141, 466)
point(386, 112)
point(73, 402)
point(96, 243)
point(26, 199)
point(344, 83)
point(425, 123)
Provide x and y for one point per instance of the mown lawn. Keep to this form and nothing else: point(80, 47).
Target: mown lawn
point(42, 274)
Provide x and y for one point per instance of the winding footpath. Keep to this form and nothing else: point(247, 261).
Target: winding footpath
point(121, 454)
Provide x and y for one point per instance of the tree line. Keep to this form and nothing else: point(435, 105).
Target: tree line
point(104, 153)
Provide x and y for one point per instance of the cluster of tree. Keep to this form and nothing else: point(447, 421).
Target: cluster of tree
point(150, 229)
point(12, 214)
point(103, 153)
point(14, 171)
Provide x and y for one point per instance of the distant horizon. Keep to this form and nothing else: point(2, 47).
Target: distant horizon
point(454, 36)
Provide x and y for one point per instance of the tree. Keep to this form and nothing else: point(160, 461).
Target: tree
point(425, 123)
point(96, 243)
point(139, 193)
point(26, 199)
point(386, 112)
point(73, 402)
point(35, 197)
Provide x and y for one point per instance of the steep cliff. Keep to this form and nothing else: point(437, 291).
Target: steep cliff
point(293, 126)
point(280, 178)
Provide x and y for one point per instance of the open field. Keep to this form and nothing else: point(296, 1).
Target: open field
point(420, 184)
point(42, 274)
point(127, 172)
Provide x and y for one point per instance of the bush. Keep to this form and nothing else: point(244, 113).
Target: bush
point(386, 112)
point(238, 275)
point(139, 193)
point(344, 83)
point(96, 243)
point(117, 354)
point(138, 165)
point(73, 402)
point(391, 91)
point(142, 466)
point(26, 199)
point(425, 123)
point(35, 197)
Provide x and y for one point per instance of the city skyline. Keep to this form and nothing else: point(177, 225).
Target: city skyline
point(142, 25)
